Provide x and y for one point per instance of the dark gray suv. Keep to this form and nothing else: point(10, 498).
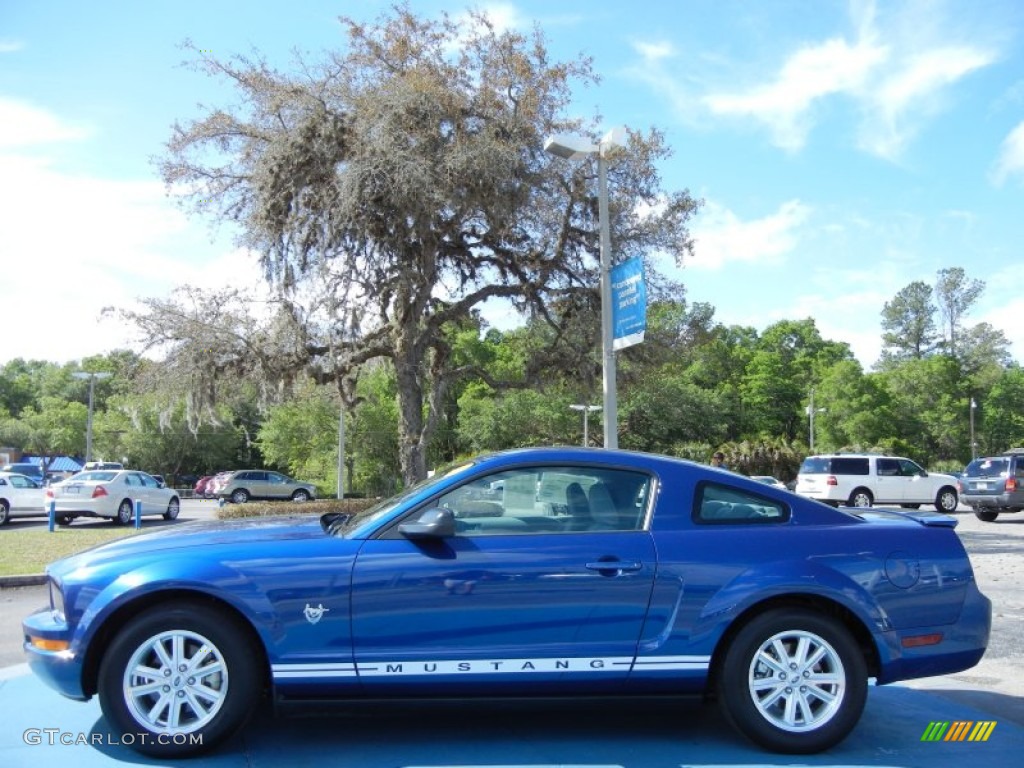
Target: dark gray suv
point(994, 484)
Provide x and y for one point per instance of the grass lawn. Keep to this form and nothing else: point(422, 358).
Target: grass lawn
point(27, 552)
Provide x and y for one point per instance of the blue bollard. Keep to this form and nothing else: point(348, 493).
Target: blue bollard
point(138, 513)
point(53, 515)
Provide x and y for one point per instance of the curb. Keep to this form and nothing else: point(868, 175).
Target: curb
point(24, 580)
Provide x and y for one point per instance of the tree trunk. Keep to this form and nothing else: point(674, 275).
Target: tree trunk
point(411, 453)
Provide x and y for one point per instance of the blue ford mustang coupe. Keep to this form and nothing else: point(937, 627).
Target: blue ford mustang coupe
point(539, 572)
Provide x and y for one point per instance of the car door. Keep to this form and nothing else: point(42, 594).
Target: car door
point(917, 487)
point(532, 590)
point(278, 486)
point(890, 485)
point(26, 495)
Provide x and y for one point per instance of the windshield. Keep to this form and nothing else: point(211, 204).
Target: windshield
point(378, 511)
point(94, 477)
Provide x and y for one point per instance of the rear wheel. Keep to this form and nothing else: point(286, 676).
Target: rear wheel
point(861, 497)
point(65, 519)
point(793, 681)
point(183, 675)
point(947, 501)
point(985, 515)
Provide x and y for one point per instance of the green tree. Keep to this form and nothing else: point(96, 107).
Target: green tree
point(955, 295)
point(908, 324)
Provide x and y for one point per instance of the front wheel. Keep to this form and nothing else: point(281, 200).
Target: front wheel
point(985, 515)
point(180, 678)
point(947, 501)
point(5, 512)
point(300, 495)
point(173, 507)
point(793, 681)
point(240, 496)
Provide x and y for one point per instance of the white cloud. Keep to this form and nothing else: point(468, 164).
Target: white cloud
point(24, 125)
point(894, 69)
point(896, 106)
point(1011, 156)
point(11, 46)
point(722, 238)
point(74, 244)
point(810, 74)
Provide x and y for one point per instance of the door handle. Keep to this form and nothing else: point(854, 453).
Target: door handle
point(615, 567)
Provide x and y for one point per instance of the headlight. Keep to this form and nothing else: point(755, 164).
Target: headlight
point(56, 602)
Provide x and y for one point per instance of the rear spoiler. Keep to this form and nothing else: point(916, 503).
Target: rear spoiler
point(923, 516)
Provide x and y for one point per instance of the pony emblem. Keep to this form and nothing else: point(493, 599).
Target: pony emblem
point(313, 615)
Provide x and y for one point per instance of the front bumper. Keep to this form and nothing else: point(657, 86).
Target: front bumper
point(60, 669)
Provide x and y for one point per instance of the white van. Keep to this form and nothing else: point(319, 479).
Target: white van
point(860, 480)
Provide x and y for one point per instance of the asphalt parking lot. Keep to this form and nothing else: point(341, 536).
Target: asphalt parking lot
point(600, 734)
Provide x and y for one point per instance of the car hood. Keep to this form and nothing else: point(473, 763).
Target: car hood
point(232, 534)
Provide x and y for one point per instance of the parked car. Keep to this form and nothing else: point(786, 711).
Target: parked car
point(27, 469)
point(262, 484)
point(994, 484)
point(199, 491)
point(218, 482)
point(20, 496)
point(111, 493)
point(575, 579)
point(769, 480)
point(860, 480)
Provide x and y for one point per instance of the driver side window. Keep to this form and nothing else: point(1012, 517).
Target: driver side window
point(550, 499)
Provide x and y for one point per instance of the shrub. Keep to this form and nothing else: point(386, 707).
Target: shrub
point(269, 508)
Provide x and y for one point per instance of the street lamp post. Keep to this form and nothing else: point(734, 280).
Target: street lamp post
point(571, 147)
point(974, 445)
point(811, 410)
point(587, 410)
point(91, 376)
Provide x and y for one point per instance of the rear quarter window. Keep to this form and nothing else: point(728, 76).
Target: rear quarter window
point(716, 504)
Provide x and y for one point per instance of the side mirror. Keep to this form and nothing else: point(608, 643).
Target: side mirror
point(434, 523)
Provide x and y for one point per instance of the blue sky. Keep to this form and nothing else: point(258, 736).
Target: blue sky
point(844, 149)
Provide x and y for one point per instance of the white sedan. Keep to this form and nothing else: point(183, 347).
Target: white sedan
point(112, 494)
point(20, 496)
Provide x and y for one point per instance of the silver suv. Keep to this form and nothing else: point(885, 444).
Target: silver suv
point(863, 479)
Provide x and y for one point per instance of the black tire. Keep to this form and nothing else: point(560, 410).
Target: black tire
point(861, 497)
point(208, 639)
point(986, 515)
point(65, 520)
point(5, 512)
point(173, 507)
point(911, 506)
point(947, 500)
point(125, 513)
point(300, 495)
point(755, 705)
point(239, 496)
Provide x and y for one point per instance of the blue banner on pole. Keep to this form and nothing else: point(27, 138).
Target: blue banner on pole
point(629, 303)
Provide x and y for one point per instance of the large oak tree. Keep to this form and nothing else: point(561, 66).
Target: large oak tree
point(398, 184)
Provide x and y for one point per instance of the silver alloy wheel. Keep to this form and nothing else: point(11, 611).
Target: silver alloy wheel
point(860, 499)
point(175, 682)
point(797, 681)
point(948, 502)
